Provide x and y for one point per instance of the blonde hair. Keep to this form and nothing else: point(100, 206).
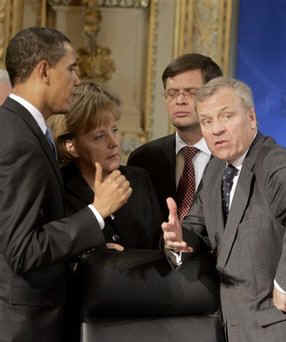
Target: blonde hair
point(90, 105)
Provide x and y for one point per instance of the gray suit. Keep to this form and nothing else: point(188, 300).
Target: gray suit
point(250, 249)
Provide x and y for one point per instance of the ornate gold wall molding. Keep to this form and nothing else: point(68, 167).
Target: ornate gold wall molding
point(124, 3)
point(204, 26)
point(11, 18)
point(151, 64)
point(104, 3)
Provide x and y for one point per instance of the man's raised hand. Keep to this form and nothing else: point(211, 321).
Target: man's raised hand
point(172, 230)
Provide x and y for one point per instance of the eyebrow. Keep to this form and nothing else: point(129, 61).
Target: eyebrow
point(176, 88)
point(220, 111)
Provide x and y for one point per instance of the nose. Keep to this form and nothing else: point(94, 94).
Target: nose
point(112, 140)
point(181, 98)
point(217, 128)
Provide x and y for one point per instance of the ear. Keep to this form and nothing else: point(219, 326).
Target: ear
point(252, 118)
point(71, 149)
point(43, 69)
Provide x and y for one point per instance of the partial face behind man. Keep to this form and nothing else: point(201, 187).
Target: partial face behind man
point(227, 124)
point(179, 94)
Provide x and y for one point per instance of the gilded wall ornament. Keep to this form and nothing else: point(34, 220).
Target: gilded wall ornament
point(95, 61)
point(124, 3)
point(104, 3)
point(64, 2)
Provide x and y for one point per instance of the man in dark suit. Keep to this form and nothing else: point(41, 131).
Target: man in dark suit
point(244, 215)
point(36, 241)
point(163, 158)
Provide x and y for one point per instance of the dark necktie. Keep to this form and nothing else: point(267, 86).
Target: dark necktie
point(51, 142)
point(187, 185)
point(227, 180)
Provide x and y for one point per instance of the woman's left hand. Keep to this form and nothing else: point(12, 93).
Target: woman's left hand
point(115, 246)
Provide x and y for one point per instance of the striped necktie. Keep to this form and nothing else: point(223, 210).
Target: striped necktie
point(187, 184)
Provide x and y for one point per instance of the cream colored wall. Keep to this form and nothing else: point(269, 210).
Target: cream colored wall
point(125, 31)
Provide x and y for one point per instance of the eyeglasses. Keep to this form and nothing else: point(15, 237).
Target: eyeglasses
point(188, 93)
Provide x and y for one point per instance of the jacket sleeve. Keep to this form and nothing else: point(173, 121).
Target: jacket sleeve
point(33, 232)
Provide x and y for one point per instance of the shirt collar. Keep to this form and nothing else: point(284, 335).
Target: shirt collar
point(239, 161)
point(200, 145)
point(37, 115)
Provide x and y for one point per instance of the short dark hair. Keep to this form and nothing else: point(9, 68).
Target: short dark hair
point(192, 61)
point(29, 46)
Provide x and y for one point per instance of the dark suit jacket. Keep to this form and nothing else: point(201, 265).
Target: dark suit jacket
point(35, 240)
point(137, 223)
point(251, 248)
point(158, 157)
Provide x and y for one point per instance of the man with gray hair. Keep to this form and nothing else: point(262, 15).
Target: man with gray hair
point(5, 85)
point(241, 212)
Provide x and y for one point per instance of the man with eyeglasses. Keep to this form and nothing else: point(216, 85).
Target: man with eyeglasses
point(167, 162)
point(163, 158)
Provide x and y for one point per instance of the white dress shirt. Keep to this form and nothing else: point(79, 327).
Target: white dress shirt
point(39, 118)
point(200, 161)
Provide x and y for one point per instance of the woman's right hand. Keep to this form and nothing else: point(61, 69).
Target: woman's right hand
point(111, 193)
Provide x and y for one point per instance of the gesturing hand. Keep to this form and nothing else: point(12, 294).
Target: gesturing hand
point(279, 299)
point(172, 229)
point(111, 193)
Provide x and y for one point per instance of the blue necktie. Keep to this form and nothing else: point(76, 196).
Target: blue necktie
point(51, 142)
point(227, 180)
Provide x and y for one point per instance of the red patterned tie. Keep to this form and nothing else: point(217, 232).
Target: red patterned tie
point(187, 185)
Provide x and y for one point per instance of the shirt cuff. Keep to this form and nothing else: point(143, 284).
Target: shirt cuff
point(97, 215)
point(278, 287)
point(174, 257)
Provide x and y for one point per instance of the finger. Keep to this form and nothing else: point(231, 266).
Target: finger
point(178, 246)
point(172, 206)
point(167, 227)
point(126, 194)
point(114, 175)
point(123, 184)
point(170, 236)
point(115, 246)
point(98, 173)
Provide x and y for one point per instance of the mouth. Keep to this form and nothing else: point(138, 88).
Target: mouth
point(221, 143)
point(114, 156)
point(181, 114)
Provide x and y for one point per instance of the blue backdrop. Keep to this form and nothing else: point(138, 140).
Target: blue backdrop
point(261, 61)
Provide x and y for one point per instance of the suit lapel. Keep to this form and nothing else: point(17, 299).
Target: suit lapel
point(237, 210)
point(214, 217)
point(32, 125)
point(240, 201)
point(169, 151)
